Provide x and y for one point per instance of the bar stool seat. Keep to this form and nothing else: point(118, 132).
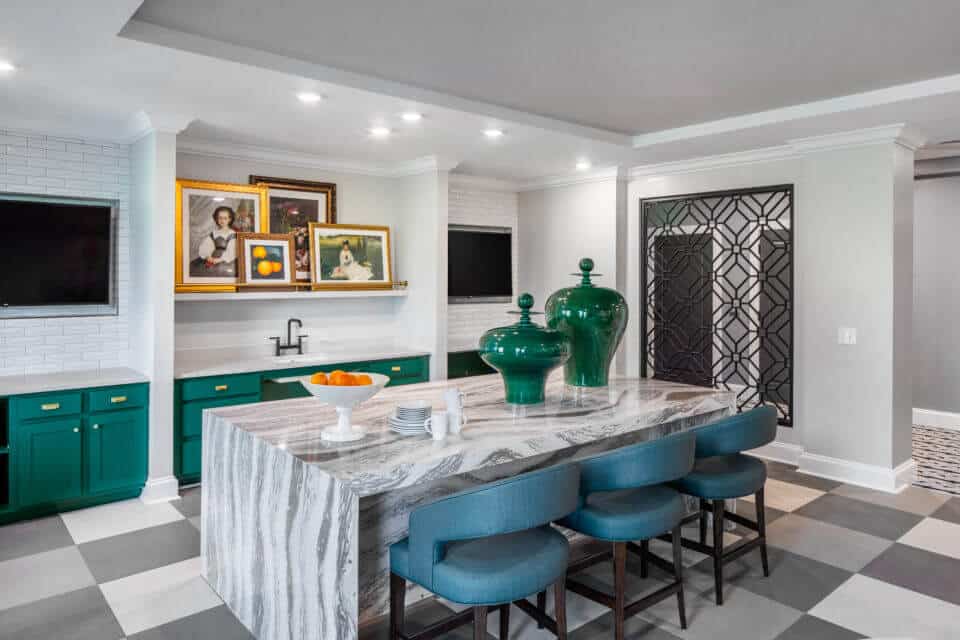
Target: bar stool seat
point(493, 570)
point(629, 514)
point(724, 477)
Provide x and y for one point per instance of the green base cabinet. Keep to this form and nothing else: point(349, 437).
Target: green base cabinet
point(464, 364)
point(72, 449)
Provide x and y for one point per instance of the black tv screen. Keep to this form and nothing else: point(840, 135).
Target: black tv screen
point(479, 265)
point(54, 252)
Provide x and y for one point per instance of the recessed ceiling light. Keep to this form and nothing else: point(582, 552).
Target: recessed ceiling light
point(493, 133)
point(412, 116)
point(583, 165)
point(219, 199)
point(308, 97)
point(379, 132)
point(6, 67)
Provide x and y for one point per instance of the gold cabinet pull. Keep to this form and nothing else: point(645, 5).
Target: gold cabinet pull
point(95, 427)
point(118, 399)
point(76, 429)
point(395, 368)
point(50, 406)
point(220, 387)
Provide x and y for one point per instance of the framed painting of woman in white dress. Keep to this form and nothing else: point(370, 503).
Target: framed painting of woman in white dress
point(347, 256)
point(209, 217)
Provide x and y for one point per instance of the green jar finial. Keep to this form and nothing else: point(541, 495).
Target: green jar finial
point(525, 302)
point(586, 266)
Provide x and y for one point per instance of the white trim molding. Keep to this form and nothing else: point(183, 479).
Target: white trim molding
point(871, 476)
point(160, 490)
point(899, 134)
point(581, 177)
point(483, 183)
point(934, 418)
point(785, 452)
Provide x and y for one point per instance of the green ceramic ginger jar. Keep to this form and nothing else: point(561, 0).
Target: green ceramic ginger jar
point(524, 354)
point(594, 318)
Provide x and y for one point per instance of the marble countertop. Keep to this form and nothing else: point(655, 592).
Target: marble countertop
point(195, 363)
point(496, 433)
point(42, 382)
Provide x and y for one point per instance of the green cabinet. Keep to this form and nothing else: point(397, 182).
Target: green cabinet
point(463, 364)
point(49, 461)
point(115, 450)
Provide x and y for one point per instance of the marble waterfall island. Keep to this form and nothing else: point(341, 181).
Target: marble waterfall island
point(296, 530)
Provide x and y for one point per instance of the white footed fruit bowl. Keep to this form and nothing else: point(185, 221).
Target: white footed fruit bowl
point(344, 399)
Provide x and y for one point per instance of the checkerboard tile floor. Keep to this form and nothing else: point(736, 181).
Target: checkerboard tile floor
point(846, 563)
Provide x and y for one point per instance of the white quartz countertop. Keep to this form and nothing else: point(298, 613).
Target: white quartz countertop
point(195, 363)
point(43, 382)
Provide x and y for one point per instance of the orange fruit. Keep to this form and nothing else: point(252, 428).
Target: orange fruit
point(259, 252)
point(341, 379)
point(277, 267)
point(363, 379)
point(319, 378)
point(264, 268)
point(337, 372)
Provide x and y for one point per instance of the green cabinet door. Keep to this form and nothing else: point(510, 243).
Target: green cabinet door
point(116, 450)
point(49, 461)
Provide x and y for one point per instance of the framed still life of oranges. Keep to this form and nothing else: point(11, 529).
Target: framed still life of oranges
point(266, 260)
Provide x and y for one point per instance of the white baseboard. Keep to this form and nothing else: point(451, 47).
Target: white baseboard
point(785, 452)
point(876, 477)
point(934, 418)
point(160, 490)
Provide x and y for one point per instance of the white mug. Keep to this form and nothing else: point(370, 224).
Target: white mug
point(455, 400)
point(436, 425)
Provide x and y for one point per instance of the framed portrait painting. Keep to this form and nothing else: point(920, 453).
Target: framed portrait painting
point(292, 206)
point(209, 217)
point(265, 260)
point(347, 256)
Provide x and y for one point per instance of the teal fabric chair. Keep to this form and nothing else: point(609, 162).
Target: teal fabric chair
point(488, 547)
point(722, 472)
point(624, 498)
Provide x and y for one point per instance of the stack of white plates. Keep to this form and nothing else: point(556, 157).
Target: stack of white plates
point(410, 418)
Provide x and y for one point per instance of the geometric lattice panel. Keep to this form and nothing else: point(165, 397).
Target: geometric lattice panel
point(717, 285)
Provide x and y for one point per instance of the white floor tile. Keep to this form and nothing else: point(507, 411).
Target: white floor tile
point(42, 575)
point(938, 536)
point(786, 496)
point(152, 598)
point(878, 609)
point(117, 518)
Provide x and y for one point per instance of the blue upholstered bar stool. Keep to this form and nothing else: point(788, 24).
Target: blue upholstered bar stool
point(488, 547)
point(722, 472)
point(623, 499)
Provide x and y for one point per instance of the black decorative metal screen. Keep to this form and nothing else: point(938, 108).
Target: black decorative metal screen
point(717, 285)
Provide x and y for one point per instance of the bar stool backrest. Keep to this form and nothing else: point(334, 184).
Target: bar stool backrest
point(741, 432)
point(639, 465)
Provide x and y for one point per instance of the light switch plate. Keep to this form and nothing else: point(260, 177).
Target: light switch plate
point(846, 335)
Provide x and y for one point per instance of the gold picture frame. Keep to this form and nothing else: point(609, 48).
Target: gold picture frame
point(349, 257)
point(249, 264)
point(195, 200)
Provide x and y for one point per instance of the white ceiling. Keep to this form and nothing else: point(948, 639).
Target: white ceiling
point(76, 76)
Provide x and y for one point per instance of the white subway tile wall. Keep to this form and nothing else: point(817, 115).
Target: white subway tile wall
point(467, 322)
point(39, 164)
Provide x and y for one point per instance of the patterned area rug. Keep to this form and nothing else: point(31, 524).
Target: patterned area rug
point(937, 452)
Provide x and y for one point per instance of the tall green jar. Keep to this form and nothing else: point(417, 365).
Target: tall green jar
point(594, 318)
point(524, 353)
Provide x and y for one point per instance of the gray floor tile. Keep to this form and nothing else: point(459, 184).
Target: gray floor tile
point(858, 515)
point(922, 571)
point(33, 536)
point(79, 615)
point(420, 616)
point(810, 628)
point(217, 623)
point(795, 581)
point(138, 551)
point(950, 511)
point(635, 628)
point(749, 510)
point(189, 502)
point(43, 575)
point(788, 473)
point(916, 500)
point(829, 543)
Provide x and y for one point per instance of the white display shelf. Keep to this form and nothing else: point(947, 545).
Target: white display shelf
point(246, 296)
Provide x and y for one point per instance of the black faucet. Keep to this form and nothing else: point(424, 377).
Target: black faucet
point(280, 348)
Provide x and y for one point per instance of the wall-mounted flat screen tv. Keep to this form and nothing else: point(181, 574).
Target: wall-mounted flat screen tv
point(480, 264)
point(56, 252)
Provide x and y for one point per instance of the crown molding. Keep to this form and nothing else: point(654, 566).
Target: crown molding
point(483, 183)
point(418, 166)
point(603, 174)
point(706, 163)
point(143, 123)
point(900, 134)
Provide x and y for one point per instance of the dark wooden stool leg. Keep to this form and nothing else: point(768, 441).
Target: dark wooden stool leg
point(541, 605)
point(762, 531)
point(504, 621)
point(398, 592)
point(560, 607)
point(480, 622)
point(718, 549)
point(619, 587)
point(678, 574)
point(704, 508)
point(644, 550)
